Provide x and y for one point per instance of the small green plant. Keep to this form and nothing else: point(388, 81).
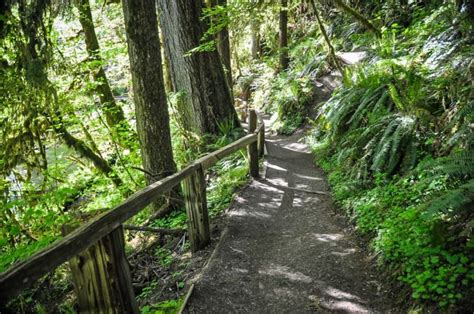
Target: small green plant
point(148, 290)
point(164, 307)
point(231, 173)
point(165, 256)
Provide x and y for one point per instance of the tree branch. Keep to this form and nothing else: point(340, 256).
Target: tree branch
point(155, 230)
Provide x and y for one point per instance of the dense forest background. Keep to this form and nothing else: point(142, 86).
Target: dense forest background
point(100, 98)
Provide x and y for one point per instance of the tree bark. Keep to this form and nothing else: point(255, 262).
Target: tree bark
point(255, 39)
point(223, 47)
point(283, 38)
point(169, 88)
point(114, 115)
point(206, 99)
point(359, 17)
point(149, 92)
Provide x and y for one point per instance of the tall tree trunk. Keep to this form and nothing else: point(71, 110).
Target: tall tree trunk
point(255, 39)
point(359, 17)
point(283, 38)
point(114, 115)
point(332, 54)
point(206, 98)
point(223, 46)
point(169, 88)
point(153, 123)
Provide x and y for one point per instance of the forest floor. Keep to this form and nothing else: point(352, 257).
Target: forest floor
point(285, 247)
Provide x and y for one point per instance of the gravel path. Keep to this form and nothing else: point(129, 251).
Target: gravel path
point(284, 249)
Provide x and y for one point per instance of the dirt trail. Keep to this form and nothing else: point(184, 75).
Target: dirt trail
point(284, 250)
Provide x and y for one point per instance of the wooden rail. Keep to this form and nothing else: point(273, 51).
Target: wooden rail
point(102, 237)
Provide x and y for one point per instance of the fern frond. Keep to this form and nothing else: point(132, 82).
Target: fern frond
point(463, 123)
point(366, 106)
point(452, 201)
point(381, 102)
point(400, 138)
point(391, 145)
point(383, 147)
point(395, 96)
point(409, 159)
point(341, 110)
point(458, 164)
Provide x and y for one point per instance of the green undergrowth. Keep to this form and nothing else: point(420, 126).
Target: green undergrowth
point(231, 174)
point(424, 244)
point(397, 142)
point(165, 307)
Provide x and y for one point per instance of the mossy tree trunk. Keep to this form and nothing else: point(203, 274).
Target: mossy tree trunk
point(332, 53)
point(114, 115)
point(84, 150)
point(358, 16)
point(199, 77)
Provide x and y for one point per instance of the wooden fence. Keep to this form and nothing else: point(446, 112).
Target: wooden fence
point(95, 250)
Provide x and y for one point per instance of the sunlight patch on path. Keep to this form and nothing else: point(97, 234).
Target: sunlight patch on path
point(284, 271)
point(328, 237)
point(346, 306)
point(344, 253)
point(243, 213)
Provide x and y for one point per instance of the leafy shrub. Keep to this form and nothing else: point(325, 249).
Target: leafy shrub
point(289, 98)
point(165, 307)
point(231, 173)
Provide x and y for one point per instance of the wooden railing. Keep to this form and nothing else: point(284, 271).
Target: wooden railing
point(95, 250)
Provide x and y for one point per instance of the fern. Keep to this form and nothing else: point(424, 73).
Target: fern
point(366, 106)
point(396, 97)
point(457, 165)
point(397, 145)
point(389, 149)
point(462, 122)
point(379, 105)
point(452, 202)
point(408, 161)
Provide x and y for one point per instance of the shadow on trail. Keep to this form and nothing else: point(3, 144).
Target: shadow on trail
point(283, 251)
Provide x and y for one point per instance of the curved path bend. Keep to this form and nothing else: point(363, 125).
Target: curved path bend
point(285, 250)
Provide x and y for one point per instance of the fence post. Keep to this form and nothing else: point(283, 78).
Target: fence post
point(102, 278)
point(194, 190)
point(261, 141)
point(252, 148)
